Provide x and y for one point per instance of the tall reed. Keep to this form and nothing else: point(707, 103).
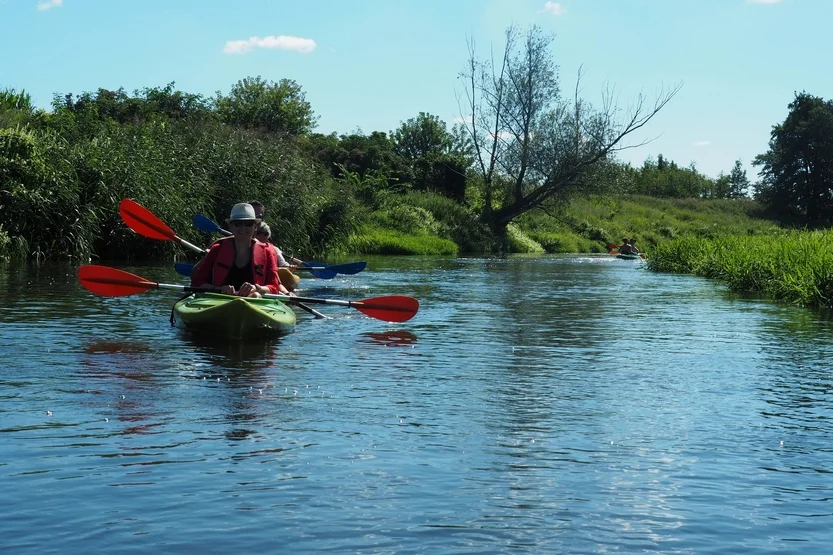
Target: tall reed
point(791, 266)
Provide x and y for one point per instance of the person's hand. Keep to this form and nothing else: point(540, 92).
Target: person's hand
point(248, 290)
point(228, 290)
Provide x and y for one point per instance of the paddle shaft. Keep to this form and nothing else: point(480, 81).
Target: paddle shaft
point(313, 311)
point(285, 298)
point(111, 282)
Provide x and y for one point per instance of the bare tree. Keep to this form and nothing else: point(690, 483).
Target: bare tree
point(531, 144)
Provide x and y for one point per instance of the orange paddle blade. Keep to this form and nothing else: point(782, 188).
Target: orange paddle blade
point(144, 222)
point(394, 308)
point(110, 282)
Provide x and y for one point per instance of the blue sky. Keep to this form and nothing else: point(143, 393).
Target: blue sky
point(372, 64)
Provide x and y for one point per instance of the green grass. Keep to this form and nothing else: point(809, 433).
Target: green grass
point(374, 240)
point(794, 266)
point(589, 224)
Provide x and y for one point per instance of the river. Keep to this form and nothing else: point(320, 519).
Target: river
point(573, 404)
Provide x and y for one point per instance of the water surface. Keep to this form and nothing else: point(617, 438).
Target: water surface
point(540, 405)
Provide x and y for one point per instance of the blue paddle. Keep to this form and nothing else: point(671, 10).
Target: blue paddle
point(318, 269)
point(185, 269)
point(207, 225)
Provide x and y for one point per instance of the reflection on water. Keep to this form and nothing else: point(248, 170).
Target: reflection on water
point(535, 404)
point(393, 338)
point(236, 355)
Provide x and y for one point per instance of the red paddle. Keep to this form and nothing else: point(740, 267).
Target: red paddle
point(110, 282)
point(147, 224)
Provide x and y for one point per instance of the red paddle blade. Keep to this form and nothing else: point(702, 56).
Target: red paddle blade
point(110, 282)
point(144, 222)
point(395, 308)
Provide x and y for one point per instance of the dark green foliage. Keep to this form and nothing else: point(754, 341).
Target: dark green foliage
point(279, 108)
point(61, 183)
point(144, 105)
point(797, 170)
point(438, 160)
point(364, 155)
point(424, 136)
point(45, 212)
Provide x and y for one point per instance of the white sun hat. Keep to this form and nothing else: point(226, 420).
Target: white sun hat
point(242, 211)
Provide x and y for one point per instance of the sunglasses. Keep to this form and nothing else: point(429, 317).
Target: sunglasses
point(259, 233)
point(246, 223)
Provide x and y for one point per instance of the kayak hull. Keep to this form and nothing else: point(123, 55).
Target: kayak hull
point(234, 317)
point(628, 256)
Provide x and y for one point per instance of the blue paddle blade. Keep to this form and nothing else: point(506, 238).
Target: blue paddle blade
point(327, 273)
point(184, 269)
point(207, 225)
point(348, 269)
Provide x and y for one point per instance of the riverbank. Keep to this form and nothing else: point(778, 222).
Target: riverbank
point(791, 266)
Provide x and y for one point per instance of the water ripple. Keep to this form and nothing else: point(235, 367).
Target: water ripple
point(542, 405)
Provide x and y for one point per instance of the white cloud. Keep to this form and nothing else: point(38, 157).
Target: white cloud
point(282, 42)
point(702, 143)
point(49, 4)
point(763, 1)
point(554, 8)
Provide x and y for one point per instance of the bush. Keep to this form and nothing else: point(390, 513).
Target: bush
point(519, 242)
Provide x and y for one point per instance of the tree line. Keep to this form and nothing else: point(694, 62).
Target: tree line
point(524, 145)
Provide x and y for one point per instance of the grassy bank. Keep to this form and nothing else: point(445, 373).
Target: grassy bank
point(589, 224)
point(425, 223)
point(791, 266)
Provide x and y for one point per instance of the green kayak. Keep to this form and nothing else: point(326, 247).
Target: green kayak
point(234, 317)
point(629, 256)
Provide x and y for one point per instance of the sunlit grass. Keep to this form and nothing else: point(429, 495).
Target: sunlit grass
point(795, 266)
point(373, 240)
point(589, 224)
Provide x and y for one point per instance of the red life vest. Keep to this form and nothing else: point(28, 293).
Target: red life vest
point(225, 259)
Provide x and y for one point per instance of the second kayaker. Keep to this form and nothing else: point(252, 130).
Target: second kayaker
point(288, 279)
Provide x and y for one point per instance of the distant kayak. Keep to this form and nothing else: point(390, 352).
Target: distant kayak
point(629, 256)
point(234, 317)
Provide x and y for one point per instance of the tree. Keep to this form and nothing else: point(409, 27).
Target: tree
point(797, 170)
point(424, 136)
point(526, 135)
point(273, 107)
point(438, 160)
point(738, 182)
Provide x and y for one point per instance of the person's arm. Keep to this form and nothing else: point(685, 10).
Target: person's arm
point(201, 274)
point(282, 263)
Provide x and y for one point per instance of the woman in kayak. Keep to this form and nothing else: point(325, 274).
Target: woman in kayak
point(288, 279)
point(239, 264)
point(626, 247)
